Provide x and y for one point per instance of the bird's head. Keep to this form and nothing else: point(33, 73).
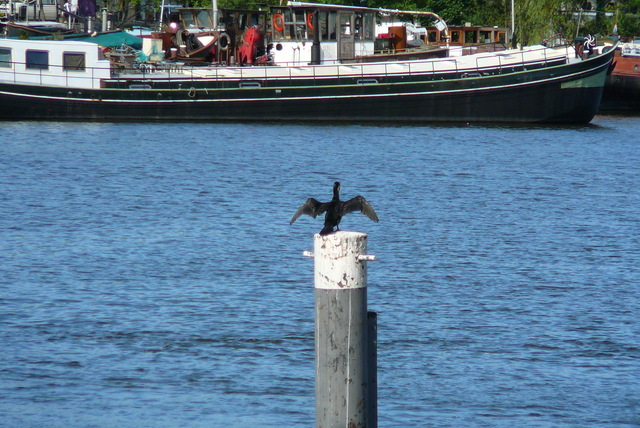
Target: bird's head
point(336, 188)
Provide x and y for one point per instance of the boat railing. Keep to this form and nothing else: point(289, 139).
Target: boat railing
point(527, 58)
point(52, 75)
point(292, 74)
point(385, 71)
point(362, 73)
point(505, 61)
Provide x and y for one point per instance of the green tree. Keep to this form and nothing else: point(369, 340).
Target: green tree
point(601, 25)
point(627, 15)
point(454, 12)
point(538, 20)
point(490, 12)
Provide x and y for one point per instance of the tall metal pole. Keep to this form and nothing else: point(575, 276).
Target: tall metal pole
point(341, 330)
point(513, 24)
point(214, 6)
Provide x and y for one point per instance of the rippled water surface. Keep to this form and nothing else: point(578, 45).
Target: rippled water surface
point(149, 275)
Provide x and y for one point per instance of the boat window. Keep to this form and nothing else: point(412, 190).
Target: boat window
point(204, 19)
point(295, 25)
point(332, 25)
point(277, 24)
point(242, 22)
point(187, 20)
point(470, 37)
point(73, 61)
point(248, 84)
point(345, 24)
point(358, 29)
point(327, 24)
point(300, 25)
point(368, 26)
point(38, 60)
point(5, 58)
point(322, 22)
point(308, 24)
point(288, 28)
point(367, 81)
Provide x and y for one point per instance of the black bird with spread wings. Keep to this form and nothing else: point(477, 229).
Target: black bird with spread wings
point(335, 209)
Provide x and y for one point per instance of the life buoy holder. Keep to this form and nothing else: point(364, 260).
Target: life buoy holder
point(192, 92)
point(310, 20)
point(278, 22)
point(227, 41)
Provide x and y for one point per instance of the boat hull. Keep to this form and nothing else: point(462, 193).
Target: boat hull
point(567, 93)
point(622, 87)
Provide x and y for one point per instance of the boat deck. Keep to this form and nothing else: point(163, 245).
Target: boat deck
point(97, 73)
point(216, 77)
point(470, 63)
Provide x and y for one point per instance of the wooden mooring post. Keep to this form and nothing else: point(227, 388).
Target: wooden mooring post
point(345, 333)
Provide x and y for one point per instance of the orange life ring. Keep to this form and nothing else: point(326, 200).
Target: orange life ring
point(278, 22)
point(310, 20)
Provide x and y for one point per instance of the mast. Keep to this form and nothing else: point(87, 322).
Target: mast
point(161, 17)
point(214, 5)
point(513, 24)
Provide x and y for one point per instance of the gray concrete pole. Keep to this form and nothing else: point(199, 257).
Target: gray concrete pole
point(341, 327)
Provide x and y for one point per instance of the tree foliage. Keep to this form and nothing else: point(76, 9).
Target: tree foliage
point(628, 18)
point(536, 20)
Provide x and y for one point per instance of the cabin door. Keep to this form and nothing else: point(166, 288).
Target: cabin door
point(346, 36)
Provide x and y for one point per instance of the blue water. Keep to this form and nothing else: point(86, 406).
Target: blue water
point(149, 275)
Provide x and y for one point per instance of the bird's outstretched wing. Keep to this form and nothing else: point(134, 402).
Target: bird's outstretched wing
point(311, 207)
point(359, 204)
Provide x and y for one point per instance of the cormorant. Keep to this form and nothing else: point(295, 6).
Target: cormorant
point(335, 209)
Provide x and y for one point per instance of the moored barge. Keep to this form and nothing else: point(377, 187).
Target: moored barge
point(71, 80)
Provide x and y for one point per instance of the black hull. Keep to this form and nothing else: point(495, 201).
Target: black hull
point(565, 94)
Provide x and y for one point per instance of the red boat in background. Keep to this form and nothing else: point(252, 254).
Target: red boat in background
point(622, 87)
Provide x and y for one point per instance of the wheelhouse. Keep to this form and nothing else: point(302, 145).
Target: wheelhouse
point(339, 33)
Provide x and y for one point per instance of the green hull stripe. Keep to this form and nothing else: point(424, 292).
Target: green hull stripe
point(595, 81)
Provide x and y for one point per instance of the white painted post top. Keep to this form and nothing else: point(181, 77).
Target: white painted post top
point(340, 260)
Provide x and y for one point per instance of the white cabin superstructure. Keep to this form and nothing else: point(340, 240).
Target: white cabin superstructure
point(53, 63)
point(344, 34)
